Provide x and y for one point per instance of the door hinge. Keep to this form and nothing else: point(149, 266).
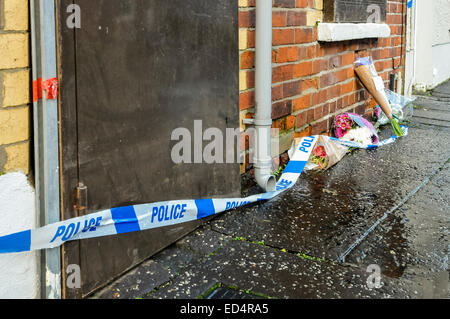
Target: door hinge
point(81, 198)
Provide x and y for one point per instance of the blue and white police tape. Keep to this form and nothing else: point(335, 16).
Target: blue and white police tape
point(148, 216)
point(390, 140)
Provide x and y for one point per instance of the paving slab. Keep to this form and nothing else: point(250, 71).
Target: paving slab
point(146, 277)
point(414, 244)
point(162, 268)
point(432, 110)
point(430, 103)
point(442, 90)
point(325, 212)
point(271, 273)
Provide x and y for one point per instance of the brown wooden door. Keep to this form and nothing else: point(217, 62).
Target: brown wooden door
point(133, 72)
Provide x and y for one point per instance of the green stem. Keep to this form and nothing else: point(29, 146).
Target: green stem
point(396, 127)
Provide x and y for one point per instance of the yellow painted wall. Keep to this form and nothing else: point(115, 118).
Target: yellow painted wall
point(15, 82)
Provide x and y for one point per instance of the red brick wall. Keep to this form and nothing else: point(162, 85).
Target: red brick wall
point(313, 81)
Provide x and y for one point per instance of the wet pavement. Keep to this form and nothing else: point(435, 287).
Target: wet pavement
point(387, 207)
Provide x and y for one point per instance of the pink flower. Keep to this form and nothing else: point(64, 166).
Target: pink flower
point(320, 151)
point(378, 112)
point(343, 124)
point(343, 121)
point(340, 132)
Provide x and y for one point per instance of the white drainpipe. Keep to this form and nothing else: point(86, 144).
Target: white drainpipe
point(263, 95)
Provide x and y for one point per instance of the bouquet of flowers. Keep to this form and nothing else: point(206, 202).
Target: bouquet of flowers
point(355, 128)
point(325, 154)
point(320, 157)
point(402, 108)
point(365, 69)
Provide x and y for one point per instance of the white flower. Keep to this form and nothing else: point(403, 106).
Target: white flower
point(360, 135)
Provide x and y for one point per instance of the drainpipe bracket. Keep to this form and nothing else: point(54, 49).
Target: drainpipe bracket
point(257, 122)
point(263, 162)
point(263, 122)
point(248, 121)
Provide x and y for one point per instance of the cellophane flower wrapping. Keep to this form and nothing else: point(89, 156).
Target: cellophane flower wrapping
point(402, 108)
point(326, 153)
point(354, 127)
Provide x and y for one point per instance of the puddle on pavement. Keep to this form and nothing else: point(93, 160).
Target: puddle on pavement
point(326, 212)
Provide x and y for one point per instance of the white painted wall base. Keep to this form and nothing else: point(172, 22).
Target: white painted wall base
point(18, 272)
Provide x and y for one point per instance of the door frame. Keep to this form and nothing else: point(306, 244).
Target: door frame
point(410, 54)
point(46, 140)
point(56, 138)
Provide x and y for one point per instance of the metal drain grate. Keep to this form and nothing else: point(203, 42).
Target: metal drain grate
point(228, 293)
